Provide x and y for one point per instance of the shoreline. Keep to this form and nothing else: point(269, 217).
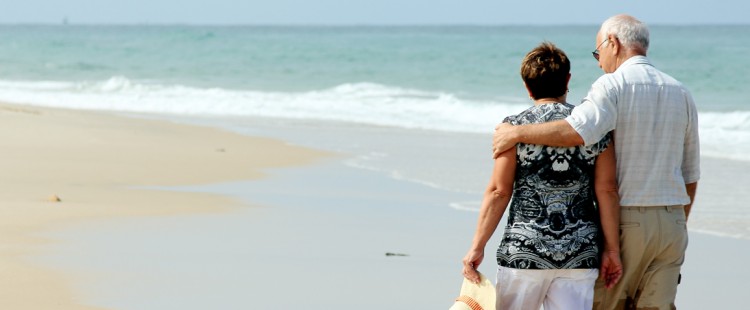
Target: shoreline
point(458, 162)
point(100, 166)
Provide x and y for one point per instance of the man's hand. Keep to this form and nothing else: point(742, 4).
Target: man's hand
point(503, 139)
point(611, 269)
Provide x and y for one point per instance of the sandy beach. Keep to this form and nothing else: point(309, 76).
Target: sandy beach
point(158, 215)
point(101, 167)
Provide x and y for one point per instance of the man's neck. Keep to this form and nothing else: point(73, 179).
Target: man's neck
point(627, 55)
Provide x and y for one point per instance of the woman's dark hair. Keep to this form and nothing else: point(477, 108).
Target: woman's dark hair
point(545, 71)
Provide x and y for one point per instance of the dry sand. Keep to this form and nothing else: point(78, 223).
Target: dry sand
point(98, 165)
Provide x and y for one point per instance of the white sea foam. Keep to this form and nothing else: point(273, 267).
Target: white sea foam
point(723, 134)
point(357, 102)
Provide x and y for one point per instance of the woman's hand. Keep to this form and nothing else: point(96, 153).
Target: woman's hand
point(471, 262)
point(611, 269)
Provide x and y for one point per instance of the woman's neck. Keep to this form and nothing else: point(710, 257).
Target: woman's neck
point(560, 99)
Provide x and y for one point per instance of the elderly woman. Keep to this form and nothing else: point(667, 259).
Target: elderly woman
point(564, 216)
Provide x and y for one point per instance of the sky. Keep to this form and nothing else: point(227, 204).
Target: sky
point(371, 12)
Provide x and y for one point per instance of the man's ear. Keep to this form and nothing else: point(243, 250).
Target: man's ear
point(616, 45)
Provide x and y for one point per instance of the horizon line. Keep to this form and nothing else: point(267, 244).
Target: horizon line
point(67, 23)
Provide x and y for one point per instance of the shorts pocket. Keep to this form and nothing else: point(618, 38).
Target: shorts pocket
point(626, 225)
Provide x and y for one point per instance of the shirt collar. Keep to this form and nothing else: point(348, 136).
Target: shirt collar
point(635, 60)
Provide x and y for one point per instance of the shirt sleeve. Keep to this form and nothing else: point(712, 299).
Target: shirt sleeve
point(691, 156)
point(596, 115)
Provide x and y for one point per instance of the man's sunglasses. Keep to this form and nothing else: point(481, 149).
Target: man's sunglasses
point(596, 51)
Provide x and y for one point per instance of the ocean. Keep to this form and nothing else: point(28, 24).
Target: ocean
point(417, 104)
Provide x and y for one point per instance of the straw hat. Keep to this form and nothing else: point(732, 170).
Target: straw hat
point(476, 296)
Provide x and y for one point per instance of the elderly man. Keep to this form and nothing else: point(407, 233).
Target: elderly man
point(655, 127)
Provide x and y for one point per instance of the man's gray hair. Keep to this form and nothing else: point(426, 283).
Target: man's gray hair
point(631, 32)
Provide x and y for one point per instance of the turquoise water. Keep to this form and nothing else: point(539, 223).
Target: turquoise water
point(469, 62)
point(456, 79)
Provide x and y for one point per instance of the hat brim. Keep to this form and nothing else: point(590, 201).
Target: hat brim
point(483, 293)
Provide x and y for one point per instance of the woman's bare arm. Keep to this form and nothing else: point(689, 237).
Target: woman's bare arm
point(495, 201)
point(605, 187)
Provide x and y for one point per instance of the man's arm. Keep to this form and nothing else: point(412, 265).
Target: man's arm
point(691, 188)
point(558, 133)
point(589, 121)
point(691, 156)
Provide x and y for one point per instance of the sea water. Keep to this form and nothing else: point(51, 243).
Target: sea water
point(415, 103)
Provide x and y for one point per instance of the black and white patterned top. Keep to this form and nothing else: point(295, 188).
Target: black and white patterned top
point(553, 222)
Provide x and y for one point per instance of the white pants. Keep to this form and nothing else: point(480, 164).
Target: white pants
point(556, 289)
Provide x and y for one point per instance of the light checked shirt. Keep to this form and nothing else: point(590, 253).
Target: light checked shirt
point(656, 132)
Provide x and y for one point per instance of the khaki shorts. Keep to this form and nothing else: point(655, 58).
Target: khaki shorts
point(653, 241)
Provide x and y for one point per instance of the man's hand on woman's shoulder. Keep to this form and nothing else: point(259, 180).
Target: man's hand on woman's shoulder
point(503, 139)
